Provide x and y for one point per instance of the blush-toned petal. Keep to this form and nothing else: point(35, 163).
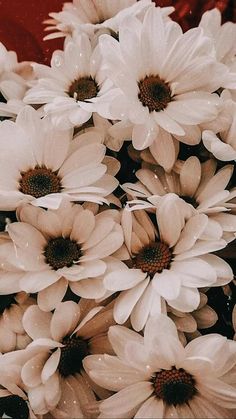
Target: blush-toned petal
point(49, 297)
point(37, 322)
point(64, 319)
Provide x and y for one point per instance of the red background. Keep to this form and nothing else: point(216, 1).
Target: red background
point(21, 27)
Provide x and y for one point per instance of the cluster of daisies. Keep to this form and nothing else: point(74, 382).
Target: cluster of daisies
point(118, 207)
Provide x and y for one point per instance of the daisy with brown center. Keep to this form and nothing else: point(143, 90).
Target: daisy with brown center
point(73, 78)
point(156, 377)
point(12, 333)
point(93, 15)
point(198, 184)
point(169, 260)
point(163, 82)
point(41, 165)
point(50, 249)
point(54, 375)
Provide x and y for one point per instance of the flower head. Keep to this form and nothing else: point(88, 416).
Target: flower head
point(50, 249)
point(40, 164)
point(156, 377)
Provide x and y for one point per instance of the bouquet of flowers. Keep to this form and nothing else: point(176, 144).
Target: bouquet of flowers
point(118, 217)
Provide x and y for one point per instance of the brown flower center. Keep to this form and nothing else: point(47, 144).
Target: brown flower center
point(61, 252)
point(39, 181)
point(72, 355)
point(83, 88)
point(175, 386)
point(154, 93)
point(153, 258)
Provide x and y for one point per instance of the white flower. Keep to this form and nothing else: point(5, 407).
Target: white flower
point(12, 333)
point(40, 165)
point(60, 342)
point(169, 262)
point(50, 249)
point(92, 15)
point(163, 80)
point(198, 184)
point(223, 143)
point(73, 78)
point(156, 377)
point(224, 37)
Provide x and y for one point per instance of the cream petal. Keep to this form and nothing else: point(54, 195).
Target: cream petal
point(163, 150)
point(36, 281)
point(202, 247)
point(26, 236)
point(50, 366)
point(152, 408)
point(143, 135)
point(102, 228)
point(126, 301)
point(222, 268)
point(10, 282)
point(119, 336)
point(37, 400)
point(90, 154)
point(127, 398)
point(13, 318)
point(106, 247)
point(194, 272)
point(187, 300)
point(37, 322)
point(64, 319)
point(192, 231)
point(169, 219)
point(190, 176)
point(49, 297)
point(32, 369)
point(216, 184)
point(167, 284)
point(52, 391)
point(123, 279)
point(49, 223)
point(142, 308)
point(7, 338)
point(89, 288)
point(83, 226)
point(222, 393)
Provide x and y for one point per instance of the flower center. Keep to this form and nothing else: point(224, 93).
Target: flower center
point(83, 88)
point(72, 355)
point(6, 301)
point(61, 252)
point(14, 406)
point(175, 386)
point(154, 93)
point(190, 200)
point(39, 181)
point(153, 258)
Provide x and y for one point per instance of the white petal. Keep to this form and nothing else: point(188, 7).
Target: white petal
point(123, 279)
point(49, 297)
point(37, 323)
point(64, 320)
point(126, 301)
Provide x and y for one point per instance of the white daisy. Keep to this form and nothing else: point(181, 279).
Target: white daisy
point(51, 249)
point(12, 333)
point(169, 261)
point(93, 15)
point(198, 184)
point(40, 165)
point(163, 81)
point(156, 377)
point(73, 78)
point(224, 37)
point(223, 143)
point(60, 342)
